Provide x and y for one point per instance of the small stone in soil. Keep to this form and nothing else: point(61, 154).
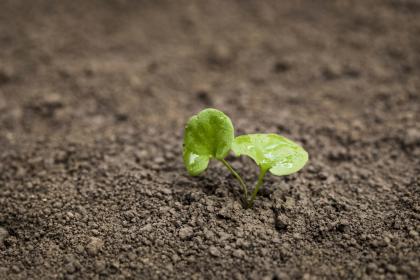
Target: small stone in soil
point(166, 191)
point(58, 204)
point(239, 253)
point(281, 222)
point(94, 246)
point(159, 160)
point(412, 137)
point(100, 266)
point(281, 276)
point(175, 258)
point(391, 268)
point(15, 269)
point(214, 251)
point(290, 203)
point(185, 232)
point(371, 267)
point(147, 227)
point(412, 233)
point(70, 268)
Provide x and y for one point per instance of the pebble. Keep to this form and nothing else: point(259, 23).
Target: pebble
point(147, 227)
point(371, 267)
point(70, 268)
point(412, 233)
point(100, 266)
point(282, 222)
point(15, 269)
point(159, 160)
point(94, 246)
point(58, 204)
point(166, 191)
point(214, 251)
point(175, 258)
point(239, 253)
point(131, 256)
point(297, 236)
point(290, 203)
point(387, 240)
point(281, 276)
point(412, 137)
point(142, 154)
point(208, 234)
point(185, 232)
point(391, 268)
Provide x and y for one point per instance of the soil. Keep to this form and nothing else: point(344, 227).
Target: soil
point(94, 96)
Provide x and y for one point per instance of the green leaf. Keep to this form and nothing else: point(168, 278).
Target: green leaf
point(272, 152)
point(209, 134)
point(195, 163)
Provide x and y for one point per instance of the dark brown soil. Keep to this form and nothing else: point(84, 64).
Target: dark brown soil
point(93, 99)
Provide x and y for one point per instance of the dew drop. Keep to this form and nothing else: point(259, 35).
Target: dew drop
point(192, 158)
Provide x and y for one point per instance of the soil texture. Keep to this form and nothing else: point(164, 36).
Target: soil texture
point(94, 96)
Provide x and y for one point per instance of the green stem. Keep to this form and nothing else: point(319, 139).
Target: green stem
point(257, 187)
point(238, 177)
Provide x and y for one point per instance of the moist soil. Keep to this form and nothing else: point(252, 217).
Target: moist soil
point(94, 96)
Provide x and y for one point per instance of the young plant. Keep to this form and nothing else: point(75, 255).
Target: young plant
point(210, 135)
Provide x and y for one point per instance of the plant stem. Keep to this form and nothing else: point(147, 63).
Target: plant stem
point(238, 177)
point(257, 187)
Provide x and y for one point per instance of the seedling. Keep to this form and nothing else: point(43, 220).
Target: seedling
point(210, 135)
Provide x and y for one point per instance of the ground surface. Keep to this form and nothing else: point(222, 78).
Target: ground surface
point(93, 99)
